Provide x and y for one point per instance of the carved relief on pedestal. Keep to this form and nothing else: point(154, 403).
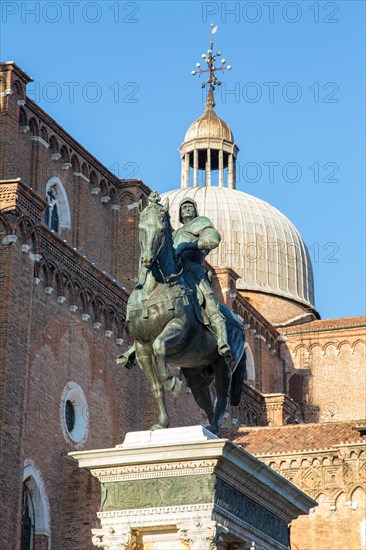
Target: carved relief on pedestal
point(164, 491)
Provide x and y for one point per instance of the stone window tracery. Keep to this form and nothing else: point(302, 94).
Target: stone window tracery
point(52, 218)
point(35, 526)
point(250, 365)
point(28, 520)
point(57, 215)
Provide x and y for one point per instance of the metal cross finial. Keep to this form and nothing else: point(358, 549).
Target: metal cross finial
point(210, 59)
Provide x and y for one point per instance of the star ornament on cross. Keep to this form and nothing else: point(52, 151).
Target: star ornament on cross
point(210, 59)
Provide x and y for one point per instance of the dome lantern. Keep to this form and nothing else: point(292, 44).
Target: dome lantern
point(258, 242)
point(209, 145)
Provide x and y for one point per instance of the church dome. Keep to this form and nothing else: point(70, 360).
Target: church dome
point(258, 242)
point(209, 125)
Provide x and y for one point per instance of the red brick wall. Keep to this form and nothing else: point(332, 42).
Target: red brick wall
point(48, 346)
point(41, 542)
point(337, 527)
point(16, 272)
point(107, 236)
point(332, 363)
point(61, 348)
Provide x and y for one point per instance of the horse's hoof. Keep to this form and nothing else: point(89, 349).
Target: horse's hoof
point(156, 427)
point(213, 429)
point(159, 426)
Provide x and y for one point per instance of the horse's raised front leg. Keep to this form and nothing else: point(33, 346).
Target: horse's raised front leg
point(174, 333)
point(222, 385)
point(146, 360)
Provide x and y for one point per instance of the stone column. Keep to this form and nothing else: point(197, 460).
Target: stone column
point(230, 173)
point(186, 169)
point(182, 177)
point(221, 168)
point(119, 537)
point(195, 168)
point(203, 535)
point(208, 168)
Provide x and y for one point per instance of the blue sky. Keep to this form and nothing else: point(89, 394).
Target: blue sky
point(116, 75)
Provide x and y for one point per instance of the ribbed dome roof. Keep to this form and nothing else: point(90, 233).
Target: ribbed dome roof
point(209, 125)
point(258, 242)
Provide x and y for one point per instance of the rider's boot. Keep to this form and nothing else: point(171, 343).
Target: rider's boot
point(218, 326)
point(127, 359)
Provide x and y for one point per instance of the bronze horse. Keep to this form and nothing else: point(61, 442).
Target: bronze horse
point(167, 327)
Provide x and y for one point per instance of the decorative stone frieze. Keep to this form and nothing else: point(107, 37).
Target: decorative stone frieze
point(185, 488)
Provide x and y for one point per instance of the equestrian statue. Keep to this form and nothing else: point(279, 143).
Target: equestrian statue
point(175, 319)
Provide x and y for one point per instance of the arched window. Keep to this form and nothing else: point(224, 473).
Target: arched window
point(250, 364)
point(28, 519)
point(55, 220)
point(57, 215)
point(52, 218)
point(35, 527)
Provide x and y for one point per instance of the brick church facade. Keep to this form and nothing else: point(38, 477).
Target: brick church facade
point(68, 249)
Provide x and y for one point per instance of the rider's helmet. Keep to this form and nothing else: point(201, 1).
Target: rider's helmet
point(184, 201)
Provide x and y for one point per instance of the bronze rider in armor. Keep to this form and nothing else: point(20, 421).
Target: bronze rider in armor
point(192, 242)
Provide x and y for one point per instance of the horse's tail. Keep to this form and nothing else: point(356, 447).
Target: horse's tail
point(239, 375)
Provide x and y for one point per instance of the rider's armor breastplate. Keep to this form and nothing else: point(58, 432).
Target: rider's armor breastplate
point(191, 232)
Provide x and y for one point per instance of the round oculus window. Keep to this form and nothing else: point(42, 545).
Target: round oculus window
point(74, 413)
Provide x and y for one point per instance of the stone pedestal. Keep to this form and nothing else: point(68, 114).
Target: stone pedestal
point(186, 489)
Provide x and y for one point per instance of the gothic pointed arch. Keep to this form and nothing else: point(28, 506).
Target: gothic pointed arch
point(58, 215)
point(250, 364)
point(35, 510)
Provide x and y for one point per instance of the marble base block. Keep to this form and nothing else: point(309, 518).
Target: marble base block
point(186, 489)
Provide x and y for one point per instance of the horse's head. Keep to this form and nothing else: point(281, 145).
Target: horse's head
point(152, 229)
